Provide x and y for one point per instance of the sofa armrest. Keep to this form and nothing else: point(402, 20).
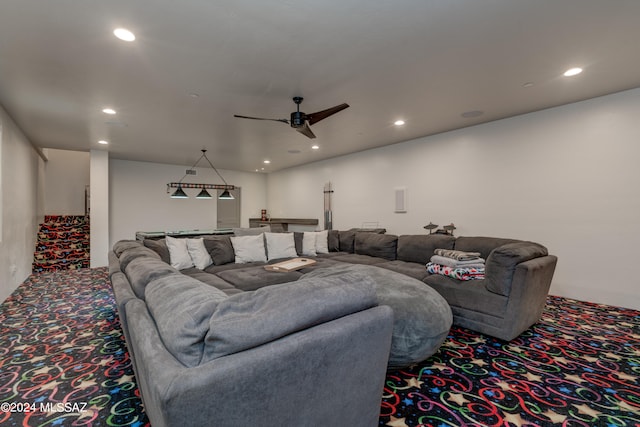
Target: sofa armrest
point(529, 290)
point(270, 384)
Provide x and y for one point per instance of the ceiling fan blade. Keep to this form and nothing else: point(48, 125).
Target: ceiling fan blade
point(320, 115)
point(305, 130)
point(262, 118)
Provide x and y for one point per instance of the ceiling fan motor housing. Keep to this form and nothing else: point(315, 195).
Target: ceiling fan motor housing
point(297, 119)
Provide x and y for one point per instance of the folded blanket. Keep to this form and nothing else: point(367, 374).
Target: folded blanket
point(456, 273)
point(450, 262)
point(458, 255)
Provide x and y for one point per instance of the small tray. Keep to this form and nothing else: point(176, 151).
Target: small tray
point(290, 265)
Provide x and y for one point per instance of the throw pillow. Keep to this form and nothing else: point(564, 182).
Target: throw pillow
point(309, 243)
point(220, 249)
point(249, 249)
point(178, 253)
point(322, 242)
point(199, 255)
point(280, 245)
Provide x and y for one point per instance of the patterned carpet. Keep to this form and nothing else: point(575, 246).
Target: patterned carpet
point(63, 362)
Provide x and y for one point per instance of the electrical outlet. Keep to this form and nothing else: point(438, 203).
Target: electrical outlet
point(191, 172)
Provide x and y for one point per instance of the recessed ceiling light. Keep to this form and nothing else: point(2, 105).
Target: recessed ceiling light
point(103, 142)
point(399, 122)
point(472, 114)
point(527, 84)
point(108, 111)
point(266, 162)
point(293, 151)
point(315, 147)
point(124, 34)
point(572, 72)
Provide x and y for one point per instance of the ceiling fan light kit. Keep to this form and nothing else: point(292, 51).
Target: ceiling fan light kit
point(301, 121)
point(204, 194)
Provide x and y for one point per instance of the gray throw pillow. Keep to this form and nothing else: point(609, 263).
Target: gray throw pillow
point(346, 239)
point(160, 247)
point(220, 249)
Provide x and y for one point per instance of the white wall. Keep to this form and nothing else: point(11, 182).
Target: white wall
point(21, 204)
point(566, 177)
point(139, 199)
point(66, 175)
point(99, 208)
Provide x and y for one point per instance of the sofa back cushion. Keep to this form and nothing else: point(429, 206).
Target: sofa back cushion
point(333, 241)
point(503, 260)
point(346, 240)
point(220, 249)
point(376, 245)
point(484, 245)
point(181, 308)
point(419, 248)
point(141, 271)
point(159, 246)
point(132, 253)
point(250, 319)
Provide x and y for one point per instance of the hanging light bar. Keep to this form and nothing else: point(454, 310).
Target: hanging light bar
point(204, 194)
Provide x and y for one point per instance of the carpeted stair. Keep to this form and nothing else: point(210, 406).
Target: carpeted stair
point(63, 243)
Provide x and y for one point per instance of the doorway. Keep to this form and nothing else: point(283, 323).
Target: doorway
point(229, 210)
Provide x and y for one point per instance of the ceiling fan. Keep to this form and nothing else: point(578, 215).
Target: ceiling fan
point(301, 121)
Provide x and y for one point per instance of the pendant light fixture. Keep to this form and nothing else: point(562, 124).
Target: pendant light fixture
point(204, 194)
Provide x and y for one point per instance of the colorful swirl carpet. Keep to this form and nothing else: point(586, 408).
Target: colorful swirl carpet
point(63, 362)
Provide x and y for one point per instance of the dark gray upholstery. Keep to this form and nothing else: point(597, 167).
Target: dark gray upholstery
point(181, 306)
point(419, 248)
point(251, 319)
point(252, 278)
point(333, 240)
point(502, 262)
point(327, 360)
point(422, 318)
point(346, 240)
point(220, 249)
point(160, 247)
point(344, 347)
point(376, 245)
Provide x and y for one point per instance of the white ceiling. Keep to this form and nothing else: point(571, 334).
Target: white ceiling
point(425, 61)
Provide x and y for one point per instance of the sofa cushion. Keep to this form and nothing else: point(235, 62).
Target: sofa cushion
point(357, 259)
point(181, 308)
point(470, 295)
point(249, 248)
point(484, 245)
point(419, 248)
point(141, 271)
point(252, 278)
point(347, 239)
point(376, 245)
point(179, 253)
point(421, 317)
point(280, 245)
point(132, 253)
point(198, 253)
point(251, 319)
point(122, 245)
point(501, 264)
point(309, 243)
point(333, 241)
point(159, 246)
point(411, 269)
point(220, 249)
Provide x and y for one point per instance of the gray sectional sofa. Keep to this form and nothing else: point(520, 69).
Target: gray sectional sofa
point(242, 332)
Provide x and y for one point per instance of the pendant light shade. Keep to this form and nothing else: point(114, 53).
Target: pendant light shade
point(204, 194)
point(225, 195)
point(179, 194)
